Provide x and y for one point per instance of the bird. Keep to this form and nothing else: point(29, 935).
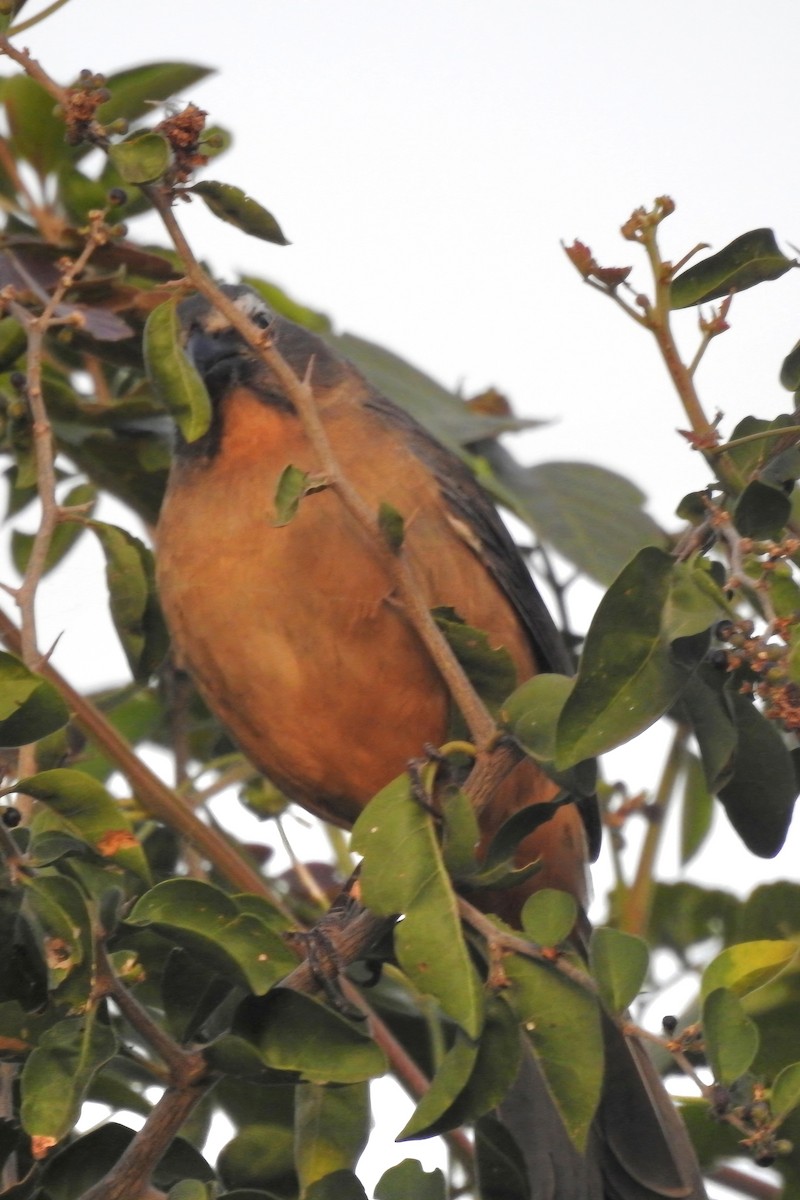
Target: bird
point(294, 637)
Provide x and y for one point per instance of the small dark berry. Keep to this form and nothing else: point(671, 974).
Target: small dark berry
point(765, 1160)
point(117, 196)
point(719, 659)
point(11, 817)
point(723, 630)
point(669, 1024)
point(18, 380)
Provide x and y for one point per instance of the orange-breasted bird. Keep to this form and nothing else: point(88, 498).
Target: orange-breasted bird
point(295, 639)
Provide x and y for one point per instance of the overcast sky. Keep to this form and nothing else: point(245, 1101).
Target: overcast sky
point(426, 158)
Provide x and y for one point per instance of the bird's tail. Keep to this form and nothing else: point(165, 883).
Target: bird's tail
point(638, 1148)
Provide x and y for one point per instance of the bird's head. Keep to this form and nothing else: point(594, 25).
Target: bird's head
point(217, 350)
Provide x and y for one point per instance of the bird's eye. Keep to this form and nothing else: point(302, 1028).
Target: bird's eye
point(260, 318)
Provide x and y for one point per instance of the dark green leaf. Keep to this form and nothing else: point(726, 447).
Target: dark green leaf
point(549, 915)
point(391, 525)
point(619, 963)
point(591, 515)
point(759, 798)
point(490, 671)
point(633, 666)
point(408, 1179)
point(331, 1129)
point(231, 204)
point(341, 1185)
point(261, 1154)
point(749, 259)
point(747, 966)
point(562, 1021)
point(57, 1074)
point(785, 1093)
point(13, 342)
point(30, 707)
point(472, 1078)
point(134, 89)
point(761, 511)
point(142, 159)
point(697, 810)
point(210, 924)
point(501, 1167)
point(790, 370)
point(705, 704)
point(684, 914)
point(130, 575)
point(174, 379)
point(88, 813)
point(403, 872)
point(58, 909)
point(37, 134)
point(296, 1033)
point(731, 1038)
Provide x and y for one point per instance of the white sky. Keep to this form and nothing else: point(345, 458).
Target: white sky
point(425, 159)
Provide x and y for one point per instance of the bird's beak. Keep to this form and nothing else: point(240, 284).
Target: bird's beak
point(215, 355)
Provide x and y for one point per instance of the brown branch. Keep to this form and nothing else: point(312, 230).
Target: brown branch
point(747, 1185)
point(155, 797)
point(43, 446)
point(129, 1178)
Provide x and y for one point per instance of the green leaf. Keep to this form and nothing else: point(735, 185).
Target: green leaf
point(785, 1092)
point(697, 810)
point(174, 378)
point(749, 259)
point(341, 1185)
point(65, 534)
point(533, 711)
point(761, 511)
point(59, 910)
point(746, 966)
point(218, 928)
point(191, 1189)
point(331, 1129)
point(13, 342)
point(731, 1038)
point(759, 797)
point(705, 705)
point(619, 963)
point(501, 1168)
point(790, 369)
point(293, 486)
point(135, 611)
point(142, 159)
point(403, 872)
point(472, 1078)
point(634, 666)
point(134, 89)
point(231, 204)
point(592, 516)
point(532, 714)
point(56, 1076)
point(490, 671)
point(259, 1155)
point(30, 707)
point(549, 915)
point(408, 1179)
point(37, 134)
point(562, 1021)
point(296, 1033)
point(88, 813)
point(391, 525)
